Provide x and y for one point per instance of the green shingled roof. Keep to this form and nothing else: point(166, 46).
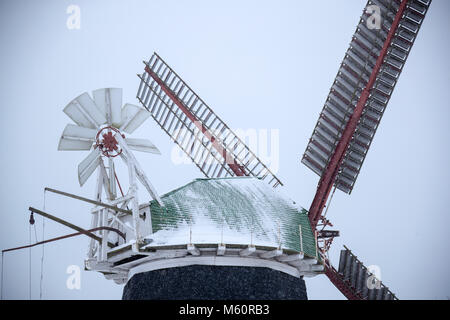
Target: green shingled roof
point(241, 210)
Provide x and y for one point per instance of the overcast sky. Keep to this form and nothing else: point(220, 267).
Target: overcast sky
point(259, 65)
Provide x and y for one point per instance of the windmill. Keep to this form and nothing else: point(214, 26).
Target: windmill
point(340, 140)
point(161, 234)
point(101, 125)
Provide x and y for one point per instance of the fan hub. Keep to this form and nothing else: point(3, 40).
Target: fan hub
point(107, 142)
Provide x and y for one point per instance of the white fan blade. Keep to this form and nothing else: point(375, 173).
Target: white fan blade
point(132, 117)
point(143, 145)
point(129, 158)
point(73, 145)
point(88, 166)
point(83, 111)
point(109, 101)
point(76, 138)
point(74, 131)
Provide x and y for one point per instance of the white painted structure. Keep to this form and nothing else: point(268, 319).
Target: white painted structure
point(101, 124)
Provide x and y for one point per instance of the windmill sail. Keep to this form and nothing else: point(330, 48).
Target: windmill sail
point(193, 126)
point(355, 281)
point(358, 70)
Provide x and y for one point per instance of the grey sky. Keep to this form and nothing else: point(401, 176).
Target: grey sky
point(258, 64)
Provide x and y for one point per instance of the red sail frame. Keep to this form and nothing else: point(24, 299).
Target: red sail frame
point(200, 133)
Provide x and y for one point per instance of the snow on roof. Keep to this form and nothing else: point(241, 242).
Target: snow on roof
point(239, 210)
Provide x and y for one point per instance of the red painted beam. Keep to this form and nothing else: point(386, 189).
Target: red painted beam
point(327, 180)
point(340, 283)
point(230, 160)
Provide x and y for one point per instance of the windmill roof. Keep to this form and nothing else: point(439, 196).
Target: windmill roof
point(239, 211)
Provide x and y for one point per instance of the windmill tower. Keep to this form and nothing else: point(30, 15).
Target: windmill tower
point(232, 234)
point(101, 125)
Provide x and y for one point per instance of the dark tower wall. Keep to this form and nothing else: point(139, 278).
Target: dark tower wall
point(214, 282)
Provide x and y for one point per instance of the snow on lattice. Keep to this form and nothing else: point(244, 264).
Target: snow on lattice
point(240, 210)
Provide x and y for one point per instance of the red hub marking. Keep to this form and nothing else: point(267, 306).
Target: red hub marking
point(108, 143)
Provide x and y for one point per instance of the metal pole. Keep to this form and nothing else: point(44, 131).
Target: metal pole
point(68, 224)
point(301, 238)
point(60, 238)
point(88, 200)
point(315, 240)
point(1, 294)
